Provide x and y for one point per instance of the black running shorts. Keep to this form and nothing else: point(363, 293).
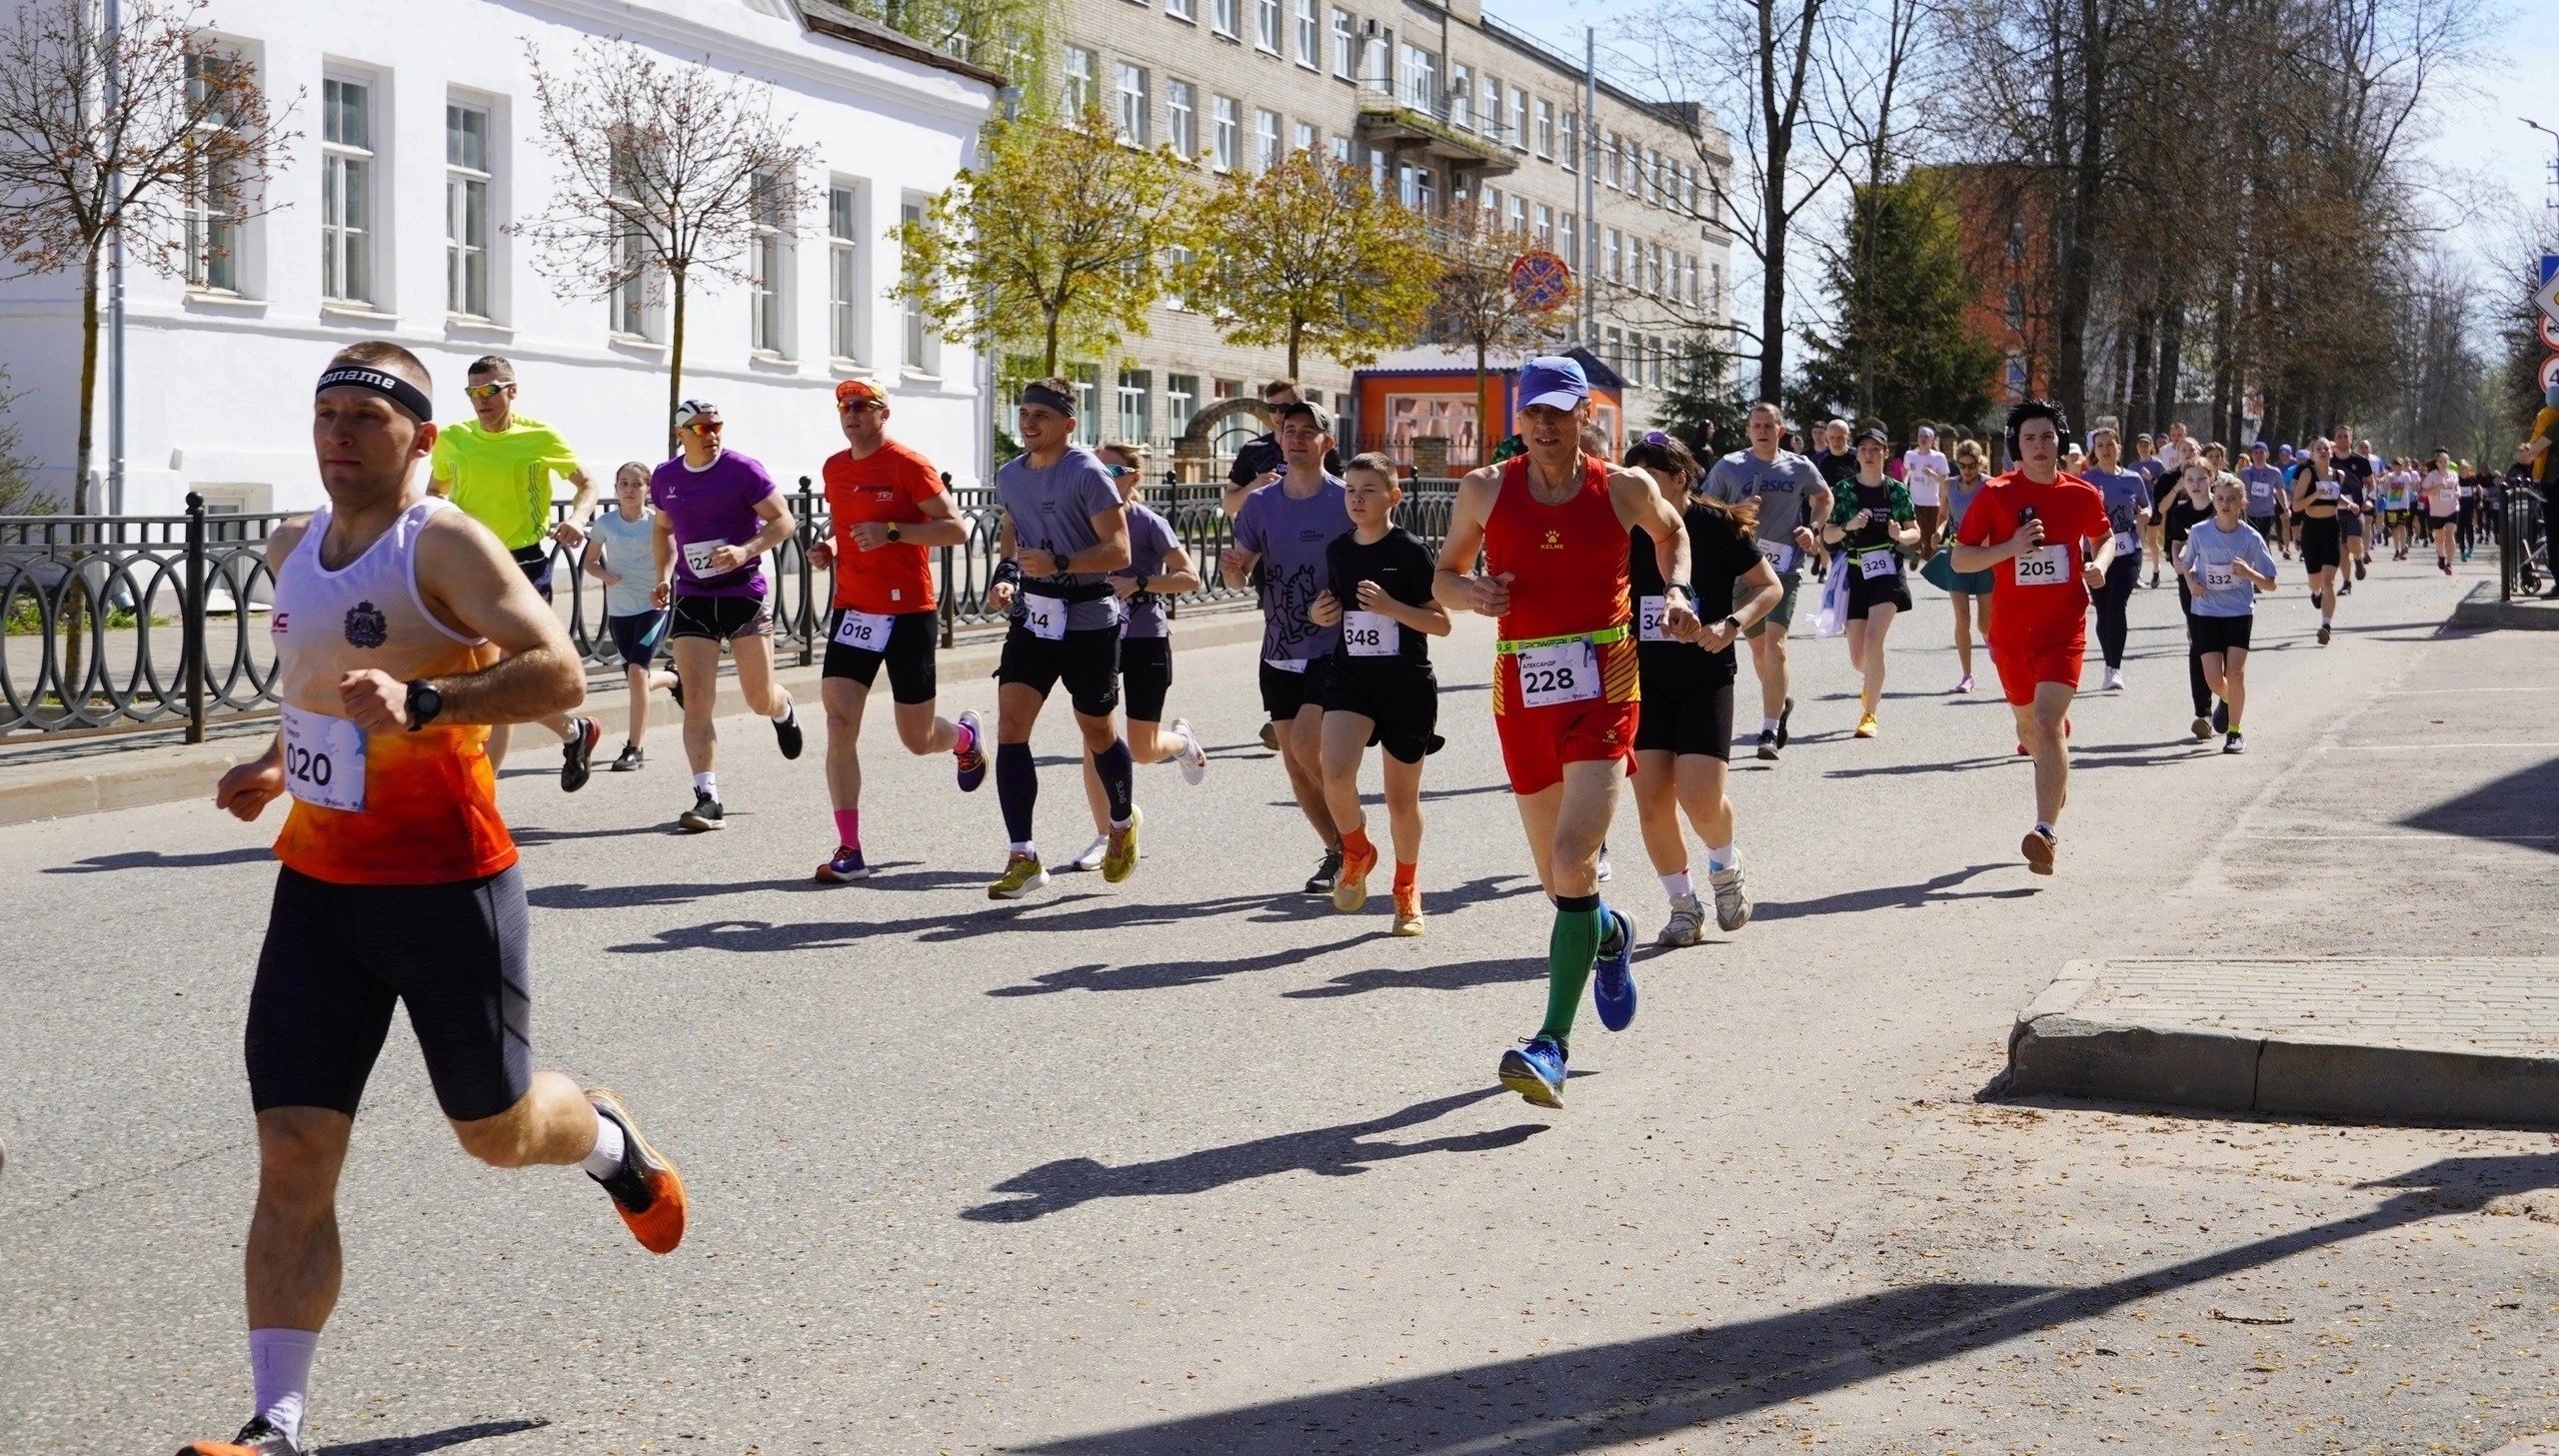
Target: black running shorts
point(1401, 699)
point(338, 957)
point(2322, 545)
point(1088, 660)
point(912, 638)
point(720, 619)
point(2265, 527)
point(1145, 676)
point(1284, 691)
point(2219, 634)
point(535, 561)
point(638, 636)
point(1691, 717)
point(1868, 592)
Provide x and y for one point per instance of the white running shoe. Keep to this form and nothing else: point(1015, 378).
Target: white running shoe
point(2113, 682)
point(1688, 922)
point(1733, 903)
point(1193, 758)
point(1604, 864)
point(1090, 859)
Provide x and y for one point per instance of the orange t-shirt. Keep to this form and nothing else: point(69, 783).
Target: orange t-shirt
point(890, 485)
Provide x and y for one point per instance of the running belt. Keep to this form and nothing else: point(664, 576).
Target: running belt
point(1601, 639)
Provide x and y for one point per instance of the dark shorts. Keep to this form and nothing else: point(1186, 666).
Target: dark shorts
point(1867, 592)
point(1284, 691)
point(1688, 714)
point(1145, 676)
point(1783, 614)
point(638, 636)
point(1401, 699)
point(2354, 526)
point(535, 561)
point(339, 956)
point(2219, 634)
point(2322, 542)
point(2265, 526)
point(720, 619)
point(912, 638)
point(1087, 661)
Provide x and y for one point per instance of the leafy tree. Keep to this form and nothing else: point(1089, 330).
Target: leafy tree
point(1476, 306)
point(1704, 396)
point(1054, 244)
point(1009, 37)
point(1900, 287)
point(1309, 256)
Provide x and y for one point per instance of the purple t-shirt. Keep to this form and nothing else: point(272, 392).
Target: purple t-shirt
point(1051, 509)
point(1290, 535)
point(710, 507)
point(1149, 542)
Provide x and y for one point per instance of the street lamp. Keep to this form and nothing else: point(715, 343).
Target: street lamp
point(2554, 137)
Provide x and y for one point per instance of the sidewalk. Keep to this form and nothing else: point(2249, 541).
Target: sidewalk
point(44, 780)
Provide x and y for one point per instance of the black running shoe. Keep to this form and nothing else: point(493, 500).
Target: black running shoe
point(704, 814)
point(630, 759)
point(1327, 873)
point(675, 691)
point(2221, 717)
point(258, 1438)
point(1785, 716)
point(786, 732)
point(577, 754)
point(1768, 745)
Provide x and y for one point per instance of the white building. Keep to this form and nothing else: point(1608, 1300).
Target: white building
point(419, 142)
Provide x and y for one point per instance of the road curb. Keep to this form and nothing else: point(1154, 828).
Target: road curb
point(165, 773)
point(2482, 609)
point(2054, 1049)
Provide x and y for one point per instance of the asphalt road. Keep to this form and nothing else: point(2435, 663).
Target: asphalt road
point(1192, 1164)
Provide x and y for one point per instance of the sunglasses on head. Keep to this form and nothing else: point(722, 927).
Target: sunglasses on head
point(487, 391)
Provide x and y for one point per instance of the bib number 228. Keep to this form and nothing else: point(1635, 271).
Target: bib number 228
point(1563, 673)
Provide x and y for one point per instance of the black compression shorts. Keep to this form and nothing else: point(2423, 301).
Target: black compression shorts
point(720, 619)
point(2219, 633)
point(1686, 716)
point(1145, 676)
point(2322, 542)
point(1088, 660)
point(911, 638)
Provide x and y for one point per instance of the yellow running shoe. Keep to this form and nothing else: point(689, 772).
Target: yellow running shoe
point(1122, 856)
point(1022, 875)
point(1350, 886)
point(1866, 725)
point(1408, 913)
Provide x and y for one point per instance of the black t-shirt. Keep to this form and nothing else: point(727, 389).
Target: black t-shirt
point(1835, 467)
point(1716, 558)
point(2182, 515)
point(2356, 467)
point(1397, 562)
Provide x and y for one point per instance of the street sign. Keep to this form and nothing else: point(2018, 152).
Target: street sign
point(1540, 280)
point(2550, 333)
point(2550, 373)
point(2547, 295)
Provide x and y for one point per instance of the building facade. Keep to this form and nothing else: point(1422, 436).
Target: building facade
point(1448, 108)
point(387, 218)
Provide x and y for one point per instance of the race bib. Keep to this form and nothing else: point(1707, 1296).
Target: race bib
point(2047, 566)
point(1372, 635)
point(2325, 490)
point(1780, 554)
point(1878, 562)
point(1649, 619)
point(2219, 577)
point(323, 759)
point(1045, 617)
point(2126, 540)
point(697, 555)
point(1566, 671)
point(865, 631)
point(1286, 665)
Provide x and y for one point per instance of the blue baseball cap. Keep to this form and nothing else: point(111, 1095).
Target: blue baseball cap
point(1554, 380)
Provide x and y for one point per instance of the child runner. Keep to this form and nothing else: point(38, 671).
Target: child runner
point(1967, 591)
point(2189, 506)
point(618, 554)
point(2129, 510)
point(1871, 522)
point(2226, 562)
point(1378, 591)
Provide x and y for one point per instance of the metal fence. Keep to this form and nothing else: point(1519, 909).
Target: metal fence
point(118, 623)
point(2523, 547)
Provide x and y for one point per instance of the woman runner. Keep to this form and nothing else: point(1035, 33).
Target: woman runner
point(2318, 497)
point(1967, 591)
point(1871, 523)
point(2441, 488)
point(2129, 510)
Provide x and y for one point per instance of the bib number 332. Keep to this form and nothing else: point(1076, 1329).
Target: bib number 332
point(323, 760)
point(1563, 673)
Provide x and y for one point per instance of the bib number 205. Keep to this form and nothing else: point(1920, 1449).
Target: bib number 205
point(2044, 567)
point(1562, 673)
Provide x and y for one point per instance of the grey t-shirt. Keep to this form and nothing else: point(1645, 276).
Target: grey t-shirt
point(1051, 509)
point(2209, 552)
point(1786, 488)
point(630, 548)
point(1290, 535)
point(1149, 541)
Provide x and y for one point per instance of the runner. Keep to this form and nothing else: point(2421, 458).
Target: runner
point(1379, 687)
point(1967, 591)
point(889, 508)
point(2127, 498)
point(2269, 504)
point(2225, 565)
point(621, 552)
point(2467, 524)
point(1157, 568)
point(1924, 474)
point(1257, 464)
point(1788, 495)
point(401, 630)
point(1551, 528)
point(1683, 737)
point(718, 513)
point(1283, 530)
point(1866, 529)
point(1836, 459)
point(2398, 490)
point(2318, 501)
point(2441, 486)
point(2030, 528)
point(498, 467)
point(1064, 531)
point(2189, 506)
point(2355, 469)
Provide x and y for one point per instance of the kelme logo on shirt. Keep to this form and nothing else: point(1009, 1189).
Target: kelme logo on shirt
point(1554, 541)
point(366, 626)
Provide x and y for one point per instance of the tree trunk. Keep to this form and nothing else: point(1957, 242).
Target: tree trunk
point(2172, 329)
point(1485, 433)
point(2079, 243)
point(74, 620)
point(1049, 358)
point(2139, 419)
point(674, 364)
point(1296, 334)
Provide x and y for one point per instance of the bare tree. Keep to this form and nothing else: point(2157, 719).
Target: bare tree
point(667, 170)
point(1476, 307)
point(174, 165)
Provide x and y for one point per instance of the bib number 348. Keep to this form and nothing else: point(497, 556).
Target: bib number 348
point(323, 760)
point(1562, 673)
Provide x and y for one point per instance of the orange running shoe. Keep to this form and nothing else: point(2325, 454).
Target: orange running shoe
point(646, 1192)
point(258, 1438)
point(1409, 919)
point(1350, 886)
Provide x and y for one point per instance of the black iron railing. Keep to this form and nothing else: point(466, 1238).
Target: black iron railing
point(2523, 546)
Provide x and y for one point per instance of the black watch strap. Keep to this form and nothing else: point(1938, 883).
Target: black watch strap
point(424, 703)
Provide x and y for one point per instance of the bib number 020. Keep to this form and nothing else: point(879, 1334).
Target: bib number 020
point(323, 759)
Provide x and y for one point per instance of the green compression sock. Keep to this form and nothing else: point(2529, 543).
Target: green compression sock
point(1571, 948)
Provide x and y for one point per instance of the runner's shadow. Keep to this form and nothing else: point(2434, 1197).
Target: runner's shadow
point(764, 935)
point(1168, 974)
point(432, 1441)
point(1881, 770)
point(2522, 803)
point(525, 835)
point(1275, 906)
point(1896, 896)
point(1333, 1152)
point(154, 859)
point(1458, 976)
point(1620, 1394)
point(575, 897)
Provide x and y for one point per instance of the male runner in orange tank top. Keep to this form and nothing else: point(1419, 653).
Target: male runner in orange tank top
point(1552, 525)
point(399, 883)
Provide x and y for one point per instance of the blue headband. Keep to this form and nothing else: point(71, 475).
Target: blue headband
point(390, 385)
point(1046, 398)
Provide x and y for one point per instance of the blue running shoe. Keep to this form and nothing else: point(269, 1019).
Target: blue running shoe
point(845, 866)
point(1612, 989)
point(1534, 1069)
point(972, 759)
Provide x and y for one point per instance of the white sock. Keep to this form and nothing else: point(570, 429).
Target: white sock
point(1677, 887)
point(1119, 823)
point(706, 782)
point(577, 725)
point(606, 1159)
point(280, 1368)
point(2047, 830)
point(786, 706)
point(1720, 858)
point(1024, 848)
point(1767, 724)
point(2326, 621)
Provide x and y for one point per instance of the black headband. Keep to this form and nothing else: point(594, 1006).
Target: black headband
point(390, 385)
point(1041, 395)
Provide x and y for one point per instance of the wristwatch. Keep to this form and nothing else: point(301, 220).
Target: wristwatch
point(1733, 624)
point(424, 703)
point(893, 532)
point(1141, 580)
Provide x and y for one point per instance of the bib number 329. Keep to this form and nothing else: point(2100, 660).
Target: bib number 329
point(323, 760)
point(1562, 673)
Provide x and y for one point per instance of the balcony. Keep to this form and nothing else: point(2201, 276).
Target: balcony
point(1389, 120)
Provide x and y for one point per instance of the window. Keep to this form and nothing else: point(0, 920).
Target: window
point(1180, 402)
point(1714, 286)
point(1135, 386)
point(211, 193)
point(1518, 213)
point(1618, 351)
point(1461, 100)
point(1693, 296)
point(1266, 25)
point(1546, 227)
point(2016, 310)
point(1611, 269)
point(1305, 141)
point(1654, 189)
point(2016, 377)
point(2016, 240)
point(1571, 151)
point(1518, 119)
point(1493, 206)
point(1226, 17)
point(1309, 36)
point(1608, 157)
point(765, 286)
point(1180, 124)
point(1133, 104)
point(466, 211)
point(1087, 381)
point(1222, 136)
point(1415, 188)
point(346, 192)
point(630, 297)
point(1545, 134)
point(844, 292)
point(1417, 77)
point(1569, 240)
point(1266, 140)
point(917, 353)
point(1342, 149)
point(1345, 47)
point(1180, 10)
point(1488, 108)
point(1079, 92)
point(1653, 269)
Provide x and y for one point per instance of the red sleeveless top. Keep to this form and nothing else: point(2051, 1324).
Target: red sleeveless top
point(1568, 565)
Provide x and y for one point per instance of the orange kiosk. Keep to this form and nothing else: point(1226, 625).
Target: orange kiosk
point(1424, 414)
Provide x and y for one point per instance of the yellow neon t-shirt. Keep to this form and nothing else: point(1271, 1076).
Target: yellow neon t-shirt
point(502, 479)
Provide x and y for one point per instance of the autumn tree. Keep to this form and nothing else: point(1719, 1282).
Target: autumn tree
point(1309, 256)
point(172, 167)
point(1053, 244)
point(667, 173)
point(1474, 303)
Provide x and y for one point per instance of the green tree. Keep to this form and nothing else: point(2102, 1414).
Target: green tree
point(1309, 256)
point(1706, 392)
point(1054, 244)
point(1902, 350)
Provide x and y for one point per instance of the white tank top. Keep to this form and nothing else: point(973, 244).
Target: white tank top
point(366, 614)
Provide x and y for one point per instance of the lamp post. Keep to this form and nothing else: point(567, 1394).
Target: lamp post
point(2554, 138)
